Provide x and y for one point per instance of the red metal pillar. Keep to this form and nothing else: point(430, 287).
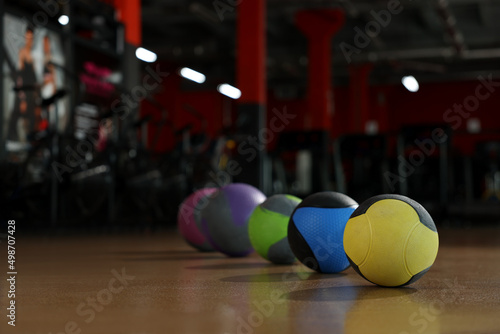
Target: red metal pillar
point(359, 90)
point(251, 52)
point(319, 26)
point(129, 13)
point(251, 80)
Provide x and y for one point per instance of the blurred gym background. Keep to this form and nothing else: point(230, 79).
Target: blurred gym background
point(114, 111)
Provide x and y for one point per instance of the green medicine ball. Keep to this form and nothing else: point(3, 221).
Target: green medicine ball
point(268, 226)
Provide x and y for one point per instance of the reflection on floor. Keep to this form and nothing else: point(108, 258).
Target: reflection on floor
point(156, 284)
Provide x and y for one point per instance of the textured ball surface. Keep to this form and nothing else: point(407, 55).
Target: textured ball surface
point(225, 218)
point(391, 240)
point(189, 219)
point(268, 227)
point(316, 229)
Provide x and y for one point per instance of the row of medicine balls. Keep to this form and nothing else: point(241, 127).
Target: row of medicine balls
point(390, 240)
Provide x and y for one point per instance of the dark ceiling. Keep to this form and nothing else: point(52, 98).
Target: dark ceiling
point(437, 40)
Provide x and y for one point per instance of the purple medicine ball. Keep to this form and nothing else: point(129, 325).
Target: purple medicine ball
point(224, 220)
point(189, 219)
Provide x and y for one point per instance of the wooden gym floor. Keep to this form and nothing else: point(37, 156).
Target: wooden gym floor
point(152, 284)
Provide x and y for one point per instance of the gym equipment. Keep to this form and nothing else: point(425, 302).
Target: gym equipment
point(316, 229)
point(391, 240)
point(361, 165)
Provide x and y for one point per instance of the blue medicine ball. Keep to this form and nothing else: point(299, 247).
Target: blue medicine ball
point(316, 231)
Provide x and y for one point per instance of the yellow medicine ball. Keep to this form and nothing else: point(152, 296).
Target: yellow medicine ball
point(391, 240)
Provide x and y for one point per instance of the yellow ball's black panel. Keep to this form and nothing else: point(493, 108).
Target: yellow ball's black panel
point(424, 216)
point(421, 249)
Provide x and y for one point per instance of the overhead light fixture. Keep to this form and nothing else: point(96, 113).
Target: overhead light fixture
point(229, 91)
point(63, 19)
point(410, 83)
point(145, 55)
point(192, 75)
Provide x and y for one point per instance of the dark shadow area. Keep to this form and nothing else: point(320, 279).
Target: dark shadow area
point(162, 252)
point(280, 277)
point(348, 293)
point(251, 265)
point(470, 237)
point(175, 258)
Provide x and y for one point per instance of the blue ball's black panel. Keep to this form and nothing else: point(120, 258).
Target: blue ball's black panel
point(300, 247)
point(299, 244)
point(328, 199)
point(323, 230)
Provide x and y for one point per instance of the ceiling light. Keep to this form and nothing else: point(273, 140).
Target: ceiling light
point(145, 55)
point(63, 19)
point(229, 91)
point(410, 83)
point(193, 75)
